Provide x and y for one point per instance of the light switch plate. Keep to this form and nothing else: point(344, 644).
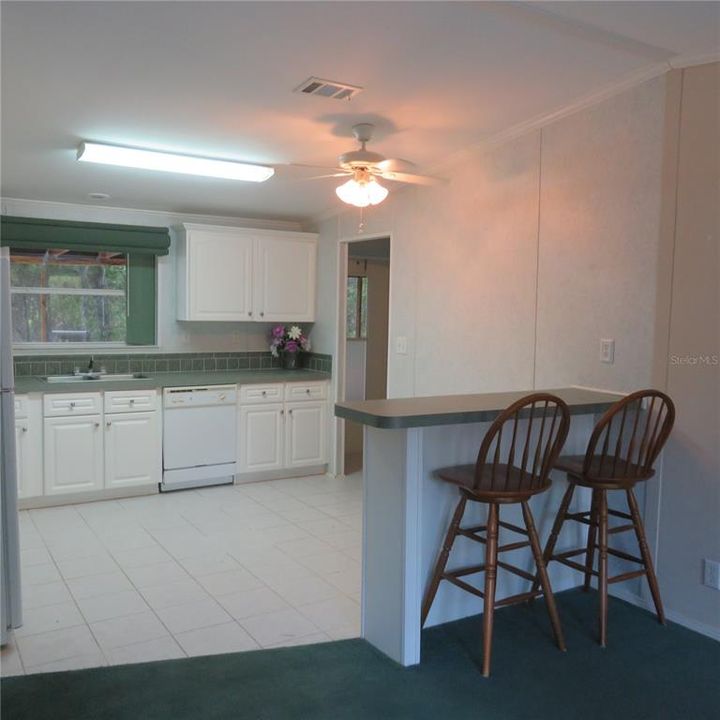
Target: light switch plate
point(607, 350)
point(401, 345)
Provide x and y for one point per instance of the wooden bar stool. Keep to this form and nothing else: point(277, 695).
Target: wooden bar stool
point(513, 464)
point(621, 452)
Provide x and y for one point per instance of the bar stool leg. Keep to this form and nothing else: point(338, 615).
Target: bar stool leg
point(442, 559)
point(557, 525)
point(544, 579)
point(646, 556)
point(603, 565)
point(591, 541)
point(490, 578)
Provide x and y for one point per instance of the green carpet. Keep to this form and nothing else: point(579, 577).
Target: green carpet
point(647, 672)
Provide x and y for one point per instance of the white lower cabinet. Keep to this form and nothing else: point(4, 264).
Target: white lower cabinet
point(132, 449)
point(28, 444)
point(262, 430)
point(73, 454)
point(305, 434)
point(86, 450)
point(282, 435)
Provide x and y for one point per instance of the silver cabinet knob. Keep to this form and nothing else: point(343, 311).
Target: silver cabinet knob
point(108, 423)
point(264, 392)
point(222, 397)
point(132, 401)
point(262, 314)
point(24, 429)
point(307, 391)
point(72, 405)
point(97, 424)
point(250, 313)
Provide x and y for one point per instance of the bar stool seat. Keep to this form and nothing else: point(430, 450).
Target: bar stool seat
point(505, 472)
point(621, 452)
point(516, 485)
point(599, 471)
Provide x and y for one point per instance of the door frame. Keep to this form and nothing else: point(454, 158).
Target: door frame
point(340, 341)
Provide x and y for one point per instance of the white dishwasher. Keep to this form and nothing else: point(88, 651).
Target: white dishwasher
point(199, 436)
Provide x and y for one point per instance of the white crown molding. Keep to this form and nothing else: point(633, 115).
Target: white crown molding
point(685, 61)
point(73, 211)
point(627, 82)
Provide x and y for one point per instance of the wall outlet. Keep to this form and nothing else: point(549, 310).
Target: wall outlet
point(607, 350)
point(711, 573)
point(401, 345)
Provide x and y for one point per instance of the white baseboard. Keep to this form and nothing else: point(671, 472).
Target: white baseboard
point(679, 618)
point(285, 473)
point(45, 501)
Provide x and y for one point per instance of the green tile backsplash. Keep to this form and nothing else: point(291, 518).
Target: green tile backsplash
point(26, 365)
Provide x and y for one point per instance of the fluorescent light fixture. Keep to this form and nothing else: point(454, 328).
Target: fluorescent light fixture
point(169, 162)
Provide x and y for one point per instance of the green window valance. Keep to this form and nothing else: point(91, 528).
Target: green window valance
point(34, 233)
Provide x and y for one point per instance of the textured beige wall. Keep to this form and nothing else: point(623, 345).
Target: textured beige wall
point(599, 229)
point(689, 516)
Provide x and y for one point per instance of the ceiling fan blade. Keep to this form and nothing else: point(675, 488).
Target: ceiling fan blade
point(396, 165)
point(314, 167)
point(329, 175)
point(410, 178)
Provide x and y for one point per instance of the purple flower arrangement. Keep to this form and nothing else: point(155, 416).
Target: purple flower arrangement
point(288, 340)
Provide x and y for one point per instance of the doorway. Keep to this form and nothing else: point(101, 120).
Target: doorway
point(366, 318)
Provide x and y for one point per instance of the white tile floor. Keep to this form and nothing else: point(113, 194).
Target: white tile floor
point(198, 572)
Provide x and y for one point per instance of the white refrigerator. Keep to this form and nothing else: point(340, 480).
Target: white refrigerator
point(10, 608)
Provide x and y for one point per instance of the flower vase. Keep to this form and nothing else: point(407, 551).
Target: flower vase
point(291, 360)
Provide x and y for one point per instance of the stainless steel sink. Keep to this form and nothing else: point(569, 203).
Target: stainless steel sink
point(90, 377)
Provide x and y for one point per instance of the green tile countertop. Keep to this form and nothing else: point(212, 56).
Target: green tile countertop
point(172, 379)
point(458, 409)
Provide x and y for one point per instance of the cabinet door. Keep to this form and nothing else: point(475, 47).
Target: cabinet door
point(219, 276)
point(261, 431)
point(285, 280)
point(305, 434)
point(73, 454)
point(24, 459)
point(132, 449)
point(29, 449)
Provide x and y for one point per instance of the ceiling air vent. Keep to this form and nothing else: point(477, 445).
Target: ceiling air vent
point(328, 89)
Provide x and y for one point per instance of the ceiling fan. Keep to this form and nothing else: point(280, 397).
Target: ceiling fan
point(363, 168)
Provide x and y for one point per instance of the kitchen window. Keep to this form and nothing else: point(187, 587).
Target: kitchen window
point(357, 300)
point(82, 283)
point(61, 296)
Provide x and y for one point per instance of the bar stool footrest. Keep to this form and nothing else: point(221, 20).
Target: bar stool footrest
point(627, 576)
point(574, 565)
point(520, 597)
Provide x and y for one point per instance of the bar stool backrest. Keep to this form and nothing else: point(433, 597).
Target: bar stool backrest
point(523, 443)
point(629, 436)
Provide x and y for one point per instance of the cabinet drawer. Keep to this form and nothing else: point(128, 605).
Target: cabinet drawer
point(21, 406)
point(306, 391)
point(72, 404)
point(261, 393)
point(130, 401)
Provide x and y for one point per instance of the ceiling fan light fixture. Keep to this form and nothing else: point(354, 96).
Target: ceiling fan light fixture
point(361, 193)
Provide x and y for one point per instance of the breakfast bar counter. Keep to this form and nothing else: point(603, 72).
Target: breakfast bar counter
point(406, 510)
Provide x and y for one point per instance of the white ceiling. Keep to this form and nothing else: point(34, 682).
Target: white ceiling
point(215, 79)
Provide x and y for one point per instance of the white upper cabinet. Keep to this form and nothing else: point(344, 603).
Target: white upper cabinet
point(215, 269)
point(244, 275)
point(285, 279)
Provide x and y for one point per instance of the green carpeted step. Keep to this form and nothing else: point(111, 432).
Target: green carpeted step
point(648, 672)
